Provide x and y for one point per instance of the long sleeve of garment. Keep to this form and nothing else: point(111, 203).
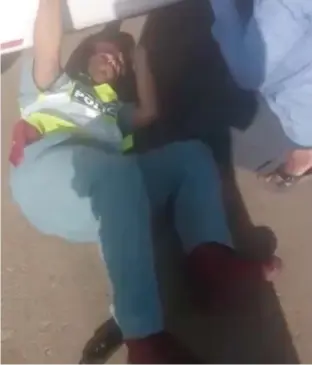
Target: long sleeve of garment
point(254, 48)
point(271, 52)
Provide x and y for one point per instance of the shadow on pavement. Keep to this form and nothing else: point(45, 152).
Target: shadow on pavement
point(259, 335)
point(195, 87)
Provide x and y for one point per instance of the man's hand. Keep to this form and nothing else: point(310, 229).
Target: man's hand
point(47, 43)
point(23, 135)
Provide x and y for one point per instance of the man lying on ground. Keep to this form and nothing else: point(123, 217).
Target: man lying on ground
point(73, 176)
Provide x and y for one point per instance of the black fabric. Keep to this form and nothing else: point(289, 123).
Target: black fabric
point(198, 98)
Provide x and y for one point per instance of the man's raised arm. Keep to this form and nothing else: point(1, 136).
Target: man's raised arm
point(47, 43)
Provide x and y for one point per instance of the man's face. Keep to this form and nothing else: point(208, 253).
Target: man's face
point(105, 63)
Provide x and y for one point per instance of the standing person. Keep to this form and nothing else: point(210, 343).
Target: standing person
point(270, 51)
point(73, 176)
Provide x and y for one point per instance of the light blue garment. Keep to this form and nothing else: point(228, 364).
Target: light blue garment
point(272, 52)
point(83, 193)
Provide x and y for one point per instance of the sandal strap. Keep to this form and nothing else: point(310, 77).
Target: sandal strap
point(285, 176)
point(289, 178)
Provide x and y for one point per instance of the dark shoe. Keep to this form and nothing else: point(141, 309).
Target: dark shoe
point(106, 340)
point(161, 348)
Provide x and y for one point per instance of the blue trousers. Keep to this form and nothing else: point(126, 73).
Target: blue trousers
point(84, 193)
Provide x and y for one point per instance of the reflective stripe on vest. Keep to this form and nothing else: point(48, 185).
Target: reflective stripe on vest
point(46, 123)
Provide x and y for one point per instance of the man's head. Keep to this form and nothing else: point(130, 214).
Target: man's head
point(106, 56)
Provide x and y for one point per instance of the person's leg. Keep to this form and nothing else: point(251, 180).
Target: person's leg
point(265, 148)
point(199, 212)
point(201, 223)
point(130, 262)
point(264, 140)
point(45, 188)
point(82, 193)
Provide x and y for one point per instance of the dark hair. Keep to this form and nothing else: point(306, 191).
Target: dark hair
point(77, 64)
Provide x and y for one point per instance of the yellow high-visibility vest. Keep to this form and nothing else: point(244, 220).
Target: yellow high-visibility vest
point(46, 121)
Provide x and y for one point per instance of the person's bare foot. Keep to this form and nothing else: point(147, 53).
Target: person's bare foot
point(297, 168)
point(298, 162)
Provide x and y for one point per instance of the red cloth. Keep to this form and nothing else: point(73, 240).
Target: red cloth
point(223, 280)
point(23, 135)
